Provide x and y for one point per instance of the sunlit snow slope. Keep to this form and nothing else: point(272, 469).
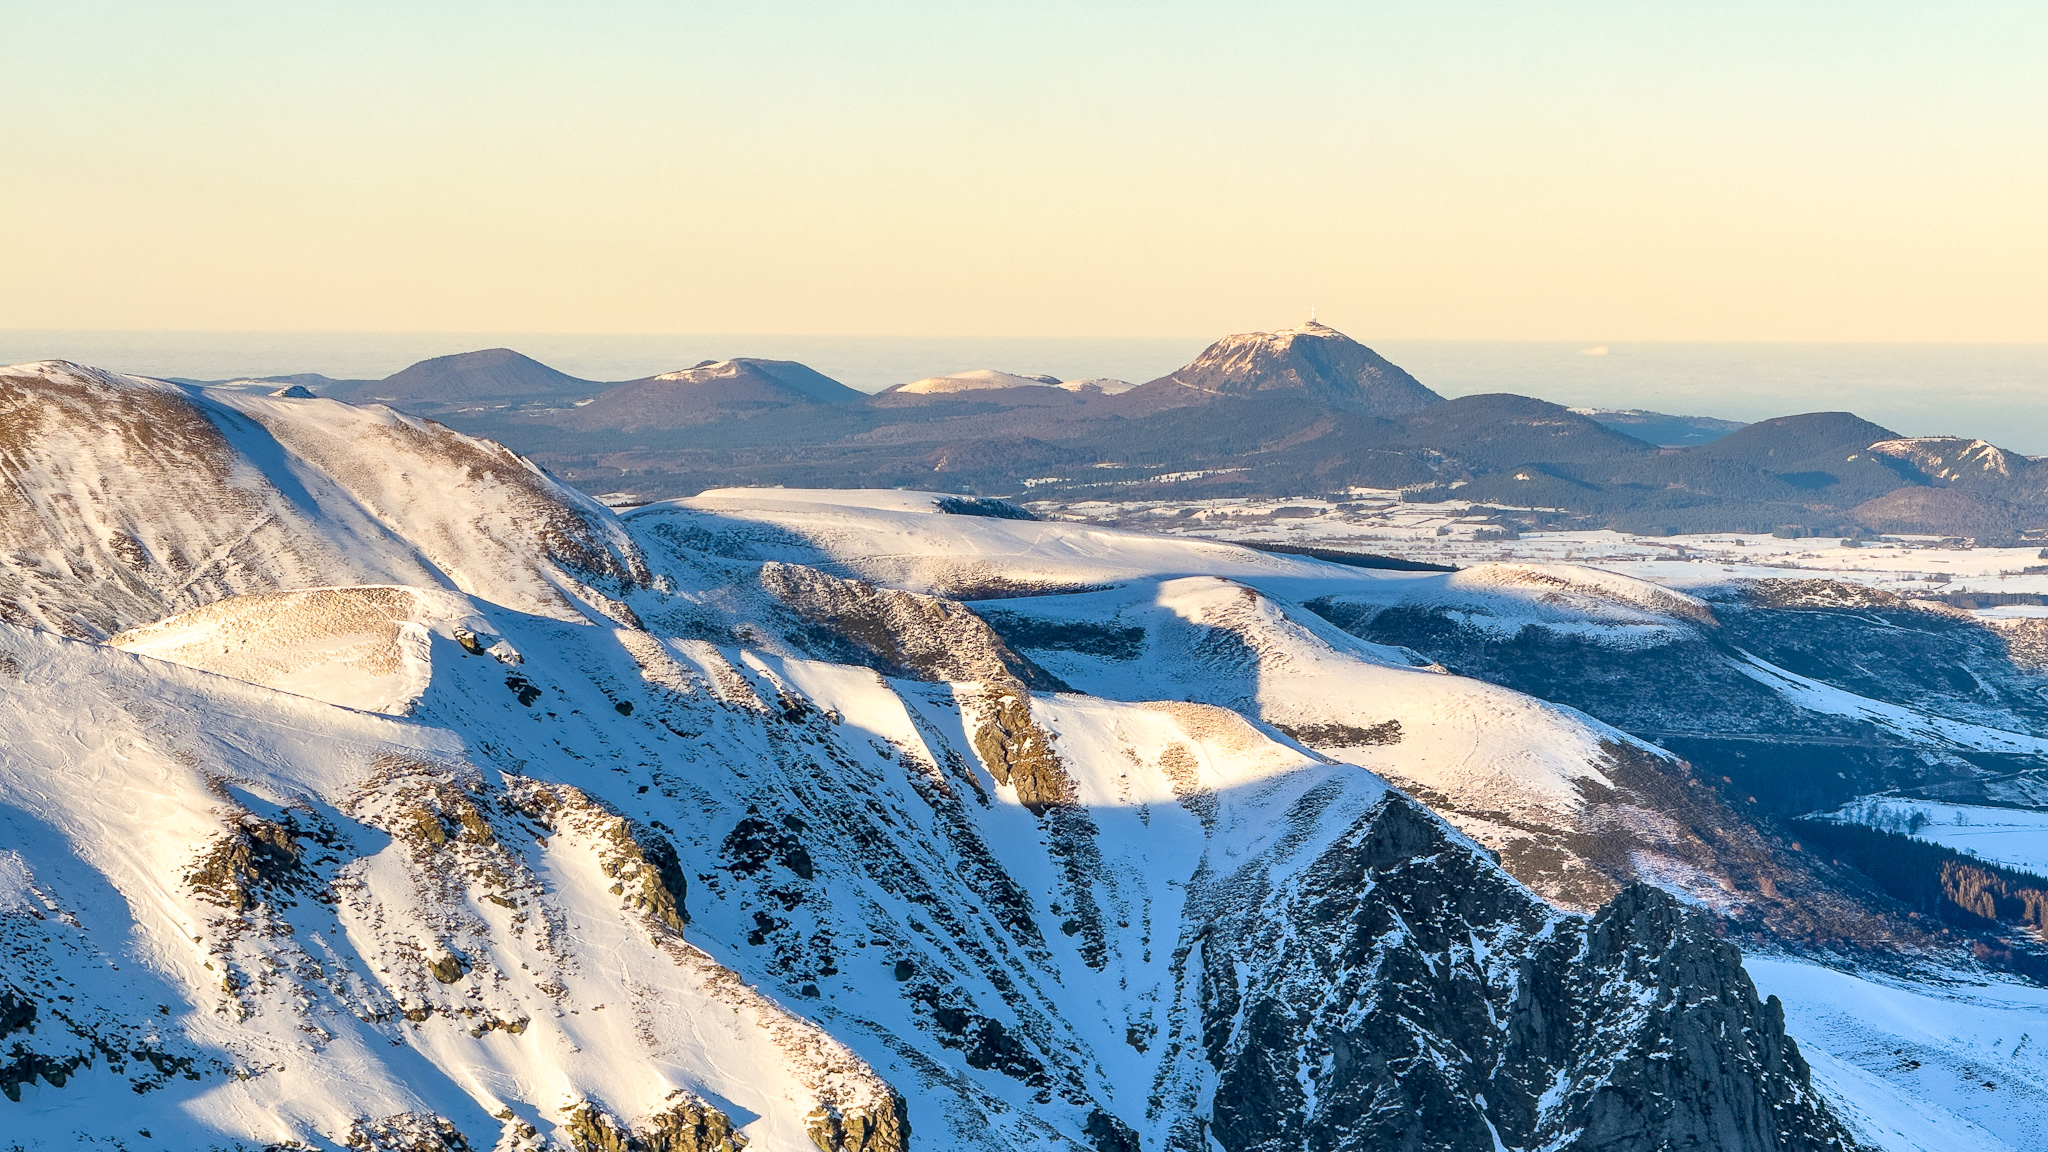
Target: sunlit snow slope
point(361, 786)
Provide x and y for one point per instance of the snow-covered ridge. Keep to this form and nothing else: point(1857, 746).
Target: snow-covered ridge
point(980, 379)
point(726, 821)
point(131, 498)
point(1951, 457)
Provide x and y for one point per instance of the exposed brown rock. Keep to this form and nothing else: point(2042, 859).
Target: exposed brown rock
point(251, 855)
point(649, 874)
point(860, 1129)
point(905, 634)
point(406, 1132)
point(1017, 751)
point(688, 1124)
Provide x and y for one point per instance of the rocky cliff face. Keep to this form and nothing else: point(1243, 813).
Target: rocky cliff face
point(1399, 994)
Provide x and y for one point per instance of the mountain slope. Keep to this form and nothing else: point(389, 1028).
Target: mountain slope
point(977, 380)
point(347, 917)
point(676, 830)
point(127, 499)
point(1662, 428)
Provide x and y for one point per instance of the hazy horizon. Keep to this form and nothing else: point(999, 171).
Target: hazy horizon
point(1992, 391)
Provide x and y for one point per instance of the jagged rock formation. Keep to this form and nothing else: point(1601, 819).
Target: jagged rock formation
point(861, 1130)
point(1389, 943)
point(688, 1125)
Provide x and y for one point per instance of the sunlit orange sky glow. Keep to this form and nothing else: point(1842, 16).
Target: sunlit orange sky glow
point(1625, 171)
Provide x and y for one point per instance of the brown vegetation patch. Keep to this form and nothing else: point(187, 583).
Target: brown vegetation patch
point(1333, 735)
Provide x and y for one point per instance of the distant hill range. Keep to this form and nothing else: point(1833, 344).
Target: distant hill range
point(713, 391)
point(1305, 411)
point(492, 374)
point(1662, 428)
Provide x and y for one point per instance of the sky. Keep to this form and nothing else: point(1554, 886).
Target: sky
point(1726, 171)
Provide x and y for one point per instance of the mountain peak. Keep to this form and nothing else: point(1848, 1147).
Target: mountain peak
point(488, 373)
point(714, 390)
point(777, 381)
point(1332, 368)
point(1311, 327)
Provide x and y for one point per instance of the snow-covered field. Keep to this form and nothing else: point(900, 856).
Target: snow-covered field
point(2014, 837)
point(1921, 1067)
point(1453, 532)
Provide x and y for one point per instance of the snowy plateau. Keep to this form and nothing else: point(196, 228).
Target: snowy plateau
point(361, 786)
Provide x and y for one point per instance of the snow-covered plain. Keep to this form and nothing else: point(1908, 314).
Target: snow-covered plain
point(1454, 532)
point(2015, 837)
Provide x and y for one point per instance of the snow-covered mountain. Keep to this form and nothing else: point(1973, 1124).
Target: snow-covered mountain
point(362, 786)
point(711, 391)
point(1314, 359)
point(992, 380)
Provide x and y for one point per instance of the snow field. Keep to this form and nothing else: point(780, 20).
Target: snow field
point(1920, 1067)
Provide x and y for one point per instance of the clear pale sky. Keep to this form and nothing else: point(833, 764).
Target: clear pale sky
point(1630, 171)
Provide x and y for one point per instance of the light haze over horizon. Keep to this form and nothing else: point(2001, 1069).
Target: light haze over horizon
point(1993, 391)
point(1602, 172)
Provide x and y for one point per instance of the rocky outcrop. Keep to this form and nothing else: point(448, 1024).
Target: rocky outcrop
point(858, 1129)
point(252, 856)
point(1017, 751)
point(687, 1124)
point(929, 638)
point(901, 633)
point(642, 864)
point(406, 1132)
point(1403, 993)
point(690, 1125)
